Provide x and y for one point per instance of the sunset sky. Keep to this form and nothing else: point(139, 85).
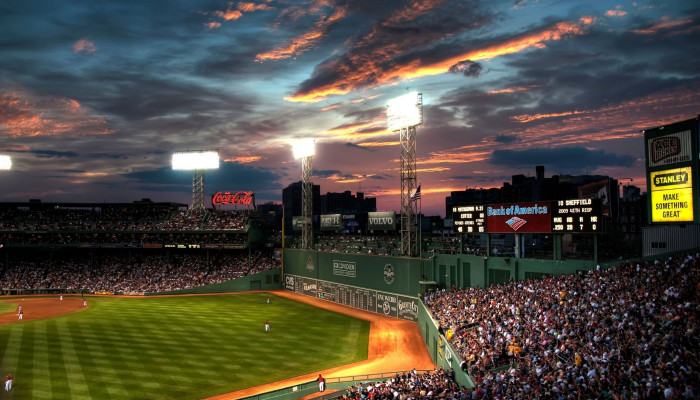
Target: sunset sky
point(95, 96)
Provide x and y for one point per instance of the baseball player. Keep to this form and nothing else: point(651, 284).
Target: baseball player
point(8, 382)
point(267, 326)
point(61, 298)
point(84, 303)
point(268, 299)
point(21, 313)
point(321, 383)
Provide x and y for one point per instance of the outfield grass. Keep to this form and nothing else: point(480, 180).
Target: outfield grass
point(185, 347)
point(7, 308)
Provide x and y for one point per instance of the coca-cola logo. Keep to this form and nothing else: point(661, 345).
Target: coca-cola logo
point(240, 197)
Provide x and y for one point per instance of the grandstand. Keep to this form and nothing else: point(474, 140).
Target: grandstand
point(496, 327)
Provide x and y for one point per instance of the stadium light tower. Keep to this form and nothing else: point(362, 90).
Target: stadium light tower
point(304, 150)
point(404, 113)
point(196, 161)
point(5, 162)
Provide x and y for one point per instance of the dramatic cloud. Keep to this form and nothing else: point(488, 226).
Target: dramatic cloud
point(26, 114)
point(667, 24)
point(467, 68)
point(378, 65)
point(306, 41)
point(84, 46)
point(565, 158)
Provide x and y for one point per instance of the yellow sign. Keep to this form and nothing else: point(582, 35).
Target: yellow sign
point(672, 195)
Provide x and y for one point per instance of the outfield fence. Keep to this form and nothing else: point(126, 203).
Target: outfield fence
point(337, 385)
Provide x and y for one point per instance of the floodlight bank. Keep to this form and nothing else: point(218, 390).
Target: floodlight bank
point(5, 162)
point(405, 111)
point(196, 160)
point(303, 148)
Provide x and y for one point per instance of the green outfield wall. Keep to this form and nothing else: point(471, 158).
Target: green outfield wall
point(439, 348)
point(398, 275)
point(266, 280)
point(383, 285)
point(468, 270)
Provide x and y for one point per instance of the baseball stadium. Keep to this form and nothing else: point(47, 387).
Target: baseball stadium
point(520, 300)
point(130, 301)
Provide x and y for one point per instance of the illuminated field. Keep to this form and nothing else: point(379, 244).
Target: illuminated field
point(185, 347)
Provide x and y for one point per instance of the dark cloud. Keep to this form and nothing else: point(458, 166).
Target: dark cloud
point(564, 158)
point(355, 146)
point(50, 153)
point(326, 173)
point(467, 68)
point(505, 139)
point(229, 176)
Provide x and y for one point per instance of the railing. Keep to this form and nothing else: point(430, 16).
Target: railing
point(337, 383)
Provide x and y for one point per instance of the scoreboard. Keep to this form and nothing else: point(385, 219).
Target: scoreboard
point(566, 216)
point(469, 219)
point(577, 215)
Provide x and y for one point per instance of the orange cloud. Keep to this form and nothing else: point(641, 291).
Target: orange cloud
point(23, 114)
point(228, 15)
point(332, 106)
point(84, 46)
point(379, 67)
point(529, 118)
point(424, 191)
point(213, 25)
point(617, 12)
point(513, 90)
point(378, 144)
point(666, 23)
point(250, 7)
point(305, 42)
point(243, 159)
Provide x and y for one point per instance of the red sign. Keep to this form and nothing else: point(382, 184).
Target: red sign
point(240, 197)
point(519, 218)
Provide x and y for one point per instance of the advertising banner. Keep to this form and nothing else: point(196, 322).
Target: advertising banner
point(672, 195)
point(600, 190)
point(407, 308)
point(344, 268)
point(390, 304)
point(381, 221)
point(670, 149)
point(519, 218)
point(297, 223)
point(331, 222)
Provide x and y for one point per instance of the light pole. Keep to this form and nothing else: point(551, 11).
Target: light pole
point(404, 114)
point(196, 161)
point(304, 150)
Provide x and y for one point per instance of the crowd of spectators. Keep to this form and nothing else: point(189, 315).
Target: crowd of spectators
point(629, 332)
point(147, 271)
point(227, 220)
point(355, 244)
point(115, 218)
point(437, 384)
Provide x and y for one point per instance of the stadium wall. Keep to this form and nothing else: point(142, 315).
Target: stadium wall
point(468, 270)
point(439, 348)
point(266, 280)
point(398, 275)
point(383, 285)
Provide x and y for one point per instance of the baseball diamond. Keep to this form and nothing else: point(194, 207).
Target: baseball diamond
point(190, 347)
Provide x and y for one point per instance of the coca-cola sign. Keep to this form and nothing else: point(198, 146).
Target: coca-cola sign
point(240, 197)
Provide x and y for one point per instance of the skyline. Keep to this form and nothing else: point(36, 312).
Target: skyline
point(96, 96)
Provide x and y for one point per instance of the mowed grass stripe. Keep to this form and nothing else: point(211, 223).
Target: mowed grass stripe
point(185, 347)
point(75, 375)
